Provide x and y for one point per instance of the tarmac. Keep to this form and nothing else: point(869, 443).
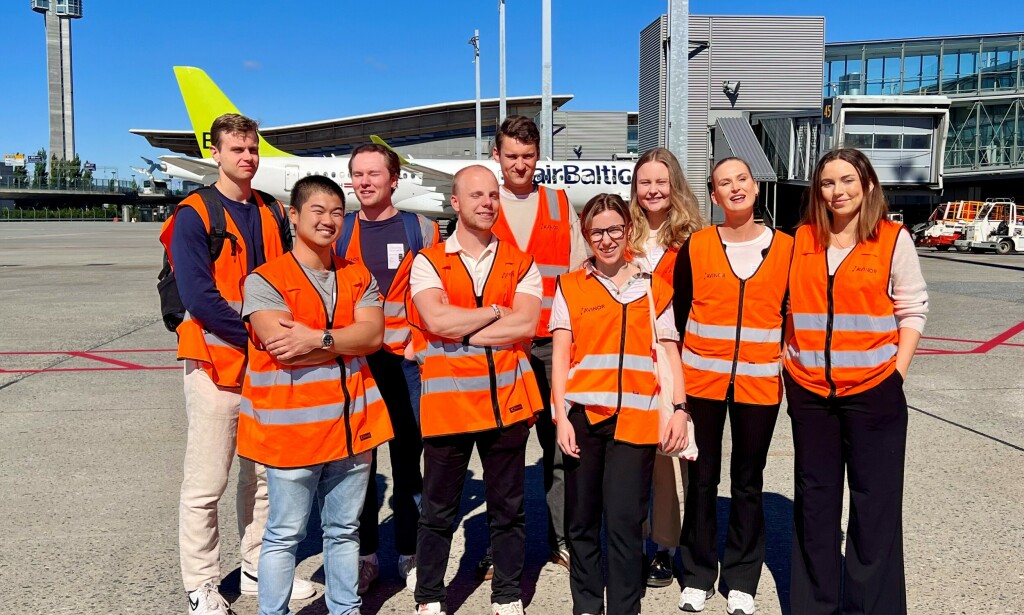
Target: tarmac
point(92, 432)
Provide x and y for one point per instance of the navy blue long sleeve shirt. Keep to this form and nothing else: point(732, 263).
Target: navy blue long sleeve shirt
point(193, 270)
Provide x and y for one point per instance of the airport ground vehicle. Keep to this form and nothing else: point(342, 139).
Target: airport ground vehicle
point(999, 226)
point(946, 224)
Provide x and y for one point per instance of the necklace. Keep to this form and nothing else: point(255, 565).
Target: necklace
point(839, 244)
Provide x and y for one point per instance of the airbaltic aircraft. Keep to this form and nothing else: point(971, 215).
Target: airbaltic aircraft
point(423, 183)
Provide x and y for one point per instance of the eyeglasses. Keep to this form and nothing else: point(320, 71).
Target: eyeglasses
point(615, 233)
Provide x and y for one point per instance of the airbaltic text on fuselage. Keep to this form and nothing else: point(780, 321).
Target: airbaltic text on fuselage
point(575, 174)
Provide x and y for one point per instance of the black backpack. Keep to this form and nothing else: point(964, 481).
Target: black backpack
point(171, 308)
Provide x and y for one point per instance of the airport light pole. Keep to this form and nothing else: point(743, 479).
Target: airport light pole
point(502, 105)
point(545, 97)
point(678, 79)
point(475, 42)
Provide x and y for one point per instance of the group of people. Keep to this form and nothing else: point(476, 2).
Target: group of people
point(371, 330)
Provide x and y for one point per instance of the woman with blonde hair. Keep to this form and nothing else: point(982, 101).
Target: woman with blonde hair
point(664, 213)
point(855, 320)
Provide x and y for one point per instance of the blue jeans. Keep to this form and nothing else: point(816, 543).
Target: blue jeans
point(339, 487)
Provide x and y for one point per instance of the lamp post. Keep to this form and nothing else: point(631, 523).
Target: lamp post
point(502, 106)
point(545, 97)
point(475, 42)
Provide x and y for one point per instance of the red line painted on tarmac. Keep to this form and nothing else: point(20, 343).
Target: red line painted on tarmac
point(84, 369)
point(90, 351)
point(960, 341)
point(86, 355)
point(1002, 337)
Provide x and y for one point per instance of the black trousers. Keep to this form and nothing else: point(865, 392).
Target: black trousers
point(865, 435)
point(547, 435)
point(402, 398)
point(445, 460)
point(752, 427)
point(610, 479)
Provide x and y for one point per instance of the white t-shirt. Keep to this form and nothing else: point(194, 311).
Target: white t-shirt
point(654, 251)
point(746, 256)
point(424, 276)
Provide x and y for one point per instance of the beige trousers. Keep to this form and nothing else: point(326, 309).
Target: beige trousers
point(212, 415)
point(669, 482)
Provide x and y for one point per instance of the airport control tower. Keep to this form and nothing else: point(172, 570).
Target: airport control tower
point(58, 15)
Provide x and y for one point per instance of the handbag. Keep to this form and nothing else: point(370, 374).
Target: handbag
point(663, 377)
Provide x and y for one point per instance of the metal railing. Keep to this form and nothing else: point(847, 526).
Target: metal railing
point(64, 214)
point(65, 184)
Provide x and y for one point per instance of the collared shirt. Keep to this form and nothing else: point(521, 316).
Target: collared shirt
point(423, 275)
point(633, 289)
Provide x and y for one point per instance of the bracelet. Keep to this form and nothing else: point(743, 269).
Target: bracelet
point(680, 407)
point(497, 311)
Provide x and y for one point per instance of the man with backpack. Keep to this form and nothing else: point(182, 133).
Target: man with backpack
point(216, 237)
point(385, 241)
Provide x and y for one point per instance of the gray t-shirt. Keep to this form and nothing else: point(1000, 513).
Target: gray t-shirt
point(260, 295)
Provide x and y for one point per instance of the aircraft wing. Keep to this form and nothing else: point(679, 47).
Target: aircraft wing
point(192, 169)
point(429, 173)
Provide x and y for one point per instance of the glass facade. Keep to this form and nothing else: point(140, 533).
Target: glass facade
point(982, 75)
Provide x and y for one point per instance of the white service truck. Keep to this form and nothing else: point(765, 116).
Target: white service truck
point(999, 226)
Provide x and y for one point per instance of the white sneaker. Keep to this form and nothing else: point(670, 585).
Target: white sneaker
point(369, 570)
point(511, 608)
point(407, 570)
point(740, 603)
point(301, 588)
point(692, 599)
point(207, 601)
point(429, 608)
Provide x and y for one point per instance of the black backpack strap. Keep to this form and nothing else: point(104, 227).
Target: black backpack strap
point(348, 224)
point(284, 225)
point(218, 222)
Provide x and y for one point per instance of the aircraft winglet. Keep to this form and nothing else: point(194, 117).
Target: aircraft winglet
point(205, 102)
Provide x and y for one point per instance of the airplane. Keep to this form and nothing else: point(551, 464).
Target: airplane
point(278, 170)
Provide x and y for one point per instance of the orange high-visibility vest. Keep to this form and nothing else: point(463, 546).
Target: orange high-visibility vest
point(666, 266)
point(293, 416)
point(842, 336)
point(223, 361)
point(396, 326)
point(733, 338)
point(467, 388)
point(611, 370)
point(549, 245)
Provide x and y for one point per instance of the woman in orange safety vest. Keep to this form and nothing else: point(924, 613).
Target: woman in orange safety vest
point(604, 402)
point(664, 212)
point(857, 309)
point(730, 282)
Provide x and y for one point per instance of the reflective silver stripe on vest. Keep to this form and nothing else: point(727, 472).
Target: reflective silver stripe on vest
point(445, 384)
point(721, 332)
point(552, 198)
point(297, 416)
point(722, 366)
point(843, 358)
point(426, 230)
point(845, 322)
point(546, 303)
point(394, 308)
point(213, 340)
point(611, 361)
point(296, 376)
point(611, 399)
point(452, 350)
point(396, 336)
point(550, 271)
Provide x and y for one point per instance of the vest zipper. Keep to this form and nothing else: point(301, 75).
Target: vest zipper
point(348, 405)
point(828, 338)
point(491, 373)
point(622, 354)
point(739, 338)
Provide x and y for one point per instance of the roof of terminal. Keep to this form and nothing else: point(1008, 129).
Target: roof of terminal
point(397, 127)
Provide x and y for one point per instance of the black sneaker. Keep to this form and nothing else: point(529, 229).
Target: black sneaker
point(660, 571)
point(485, 567)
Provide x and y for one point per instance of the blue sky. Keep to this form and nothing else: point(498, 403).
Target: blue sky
point(291, 62)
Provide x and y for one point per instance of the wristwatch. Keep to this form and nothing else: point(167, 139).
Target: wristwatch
point(680, 407)
point(327, 340)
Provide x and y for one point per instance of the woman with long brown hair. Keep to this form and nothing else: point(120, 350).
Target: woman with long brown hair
point(857, 309)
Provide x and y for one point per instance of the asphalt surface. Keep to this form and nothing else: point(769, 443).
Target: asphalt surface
point(91, 448)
